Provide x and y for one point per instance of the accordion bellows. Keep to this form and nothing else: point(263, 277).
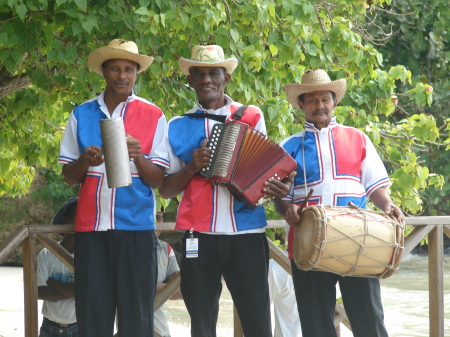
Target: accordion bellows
point(243, 159)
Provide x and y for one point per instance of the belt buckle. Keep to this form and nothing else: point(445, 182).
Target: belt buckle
point(64, 325)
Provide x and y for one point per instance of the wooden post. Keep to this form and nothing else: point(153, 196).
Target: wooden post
point(436, 281)
point(279, 257)
point(30, 286)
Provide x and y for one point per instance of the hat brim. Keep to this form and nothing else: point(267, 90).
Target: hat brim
point(293, 90)
point(185, 64)
point(102, 54)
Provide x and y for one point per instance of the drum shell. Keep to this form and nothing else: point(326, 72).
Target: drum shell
point(349, 241)
point(115, 151)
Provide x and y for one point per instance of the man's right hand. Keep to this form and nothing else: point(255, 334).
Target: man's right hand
point(75, 172)
point(291, 216)
point(200, 158)
point(92, 156)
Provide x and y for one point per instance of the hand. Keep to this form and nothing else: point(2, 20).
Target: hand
point(291, 216)
point(200, 158)
point(390, 208)
point(92, 155)
point(134, 148)
point(275, 189)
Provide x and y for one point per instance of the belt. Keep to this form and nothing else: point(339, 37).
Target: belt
point(58, 325)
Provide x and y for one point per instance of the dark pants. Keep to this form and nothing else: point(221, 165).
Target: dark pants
point(242, 260)
point(115, 269)
point(316, 299)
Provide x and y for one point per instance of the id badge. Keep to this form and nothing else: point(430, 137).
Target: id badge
point(191, 247)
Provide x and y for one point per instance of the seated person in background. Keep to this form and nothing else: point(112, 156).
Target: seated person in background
point(167, 269)
point(55, 282)
point(282, 296)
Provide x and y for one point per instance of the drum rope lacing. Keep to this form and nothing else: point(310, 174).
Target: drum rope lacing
point(366, 217)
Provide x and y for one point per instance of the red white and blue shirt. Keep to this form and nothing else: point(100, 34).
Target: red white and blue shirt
point(204, 206)
point(341, 165)
point(126, 208)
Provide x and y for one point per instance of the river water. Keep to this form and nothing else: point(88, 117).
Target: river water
point(404, 295)
point(405, 298)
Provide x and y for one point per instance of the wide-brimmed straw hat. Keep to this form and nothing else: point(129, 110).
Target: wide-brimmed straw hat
point(207, 56)
point(315, 80)
point(118, 49)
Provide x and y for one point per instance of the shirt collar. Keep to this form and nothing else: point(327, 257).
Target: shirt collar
point(311, 128)
point(118, 111)
point(225, 110)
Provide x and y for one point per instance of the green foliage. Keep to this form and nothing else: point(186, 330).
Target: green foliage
point(420, 43)
point(274, 41)
point(54, 191)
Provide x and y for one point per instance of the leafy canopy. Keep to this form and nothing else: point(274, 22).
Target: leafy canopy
point(44, 47)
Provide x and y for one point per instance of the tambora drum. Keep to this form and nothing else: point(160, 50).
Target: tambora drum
point(349, 241)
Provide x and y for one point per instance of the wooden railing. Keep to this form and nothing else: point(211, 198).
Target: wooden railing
point(27, 236)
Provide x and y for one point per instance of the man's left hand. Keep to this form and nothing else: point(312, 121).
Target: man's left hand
point(134, 148)
point(390, 208)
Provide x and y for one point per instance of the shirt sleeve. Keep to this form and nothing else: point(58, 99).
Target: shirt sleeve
point(43, 272)
point(261, 124)
point(374, 174)
point(175, 163)
point(69, 150)
point(172, 265)
point(159, 154)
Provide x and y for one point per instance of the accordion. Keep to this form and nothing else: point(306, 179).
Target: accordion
point(243, 159)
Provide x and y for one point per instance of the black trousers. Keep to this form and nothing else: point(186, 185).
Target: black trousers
point(242, 260)
point(115, 270)
point(316, 299)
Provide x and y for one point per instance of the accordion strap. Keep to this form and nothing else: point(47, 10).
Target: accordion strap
point(236, 116)
point(210, 116)
point(238, 113)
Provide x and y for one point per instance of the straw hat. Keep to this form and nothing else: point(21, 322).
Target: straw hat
point(207, 56)
point(118, 49)
point(315, 80)
point(57, 219)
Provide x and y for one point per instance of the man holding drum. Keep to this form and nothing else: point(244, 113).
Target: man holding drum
point(341, 164)
point(224, 238)
point(115, 246)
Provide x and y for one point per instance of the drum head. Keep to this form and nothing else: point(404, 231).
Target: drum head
point(308, 234)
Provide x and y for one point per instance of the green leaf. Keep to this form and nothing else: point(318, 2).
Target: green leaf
point(273, 49)
point(81, 4)
point(143, 11)
point(21, 11)
point(271, 9)
point(234, 34)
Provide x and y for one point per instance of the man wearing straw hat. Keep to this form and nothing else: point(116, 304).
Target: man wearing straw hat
point(115, 247)
point(224, 238)
point(342, 166)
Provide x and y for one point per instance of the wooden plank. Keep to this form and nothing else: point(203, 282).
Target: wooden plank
point(56, 249)
point(447, 230)
point(237, 326)
point(414, 238)
point(340, 311)
point(279, 257)
point(38, 229)
point(436, 281)
point(30, 286)
point(428, 220)
point(166, 292)
point(13, 241)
